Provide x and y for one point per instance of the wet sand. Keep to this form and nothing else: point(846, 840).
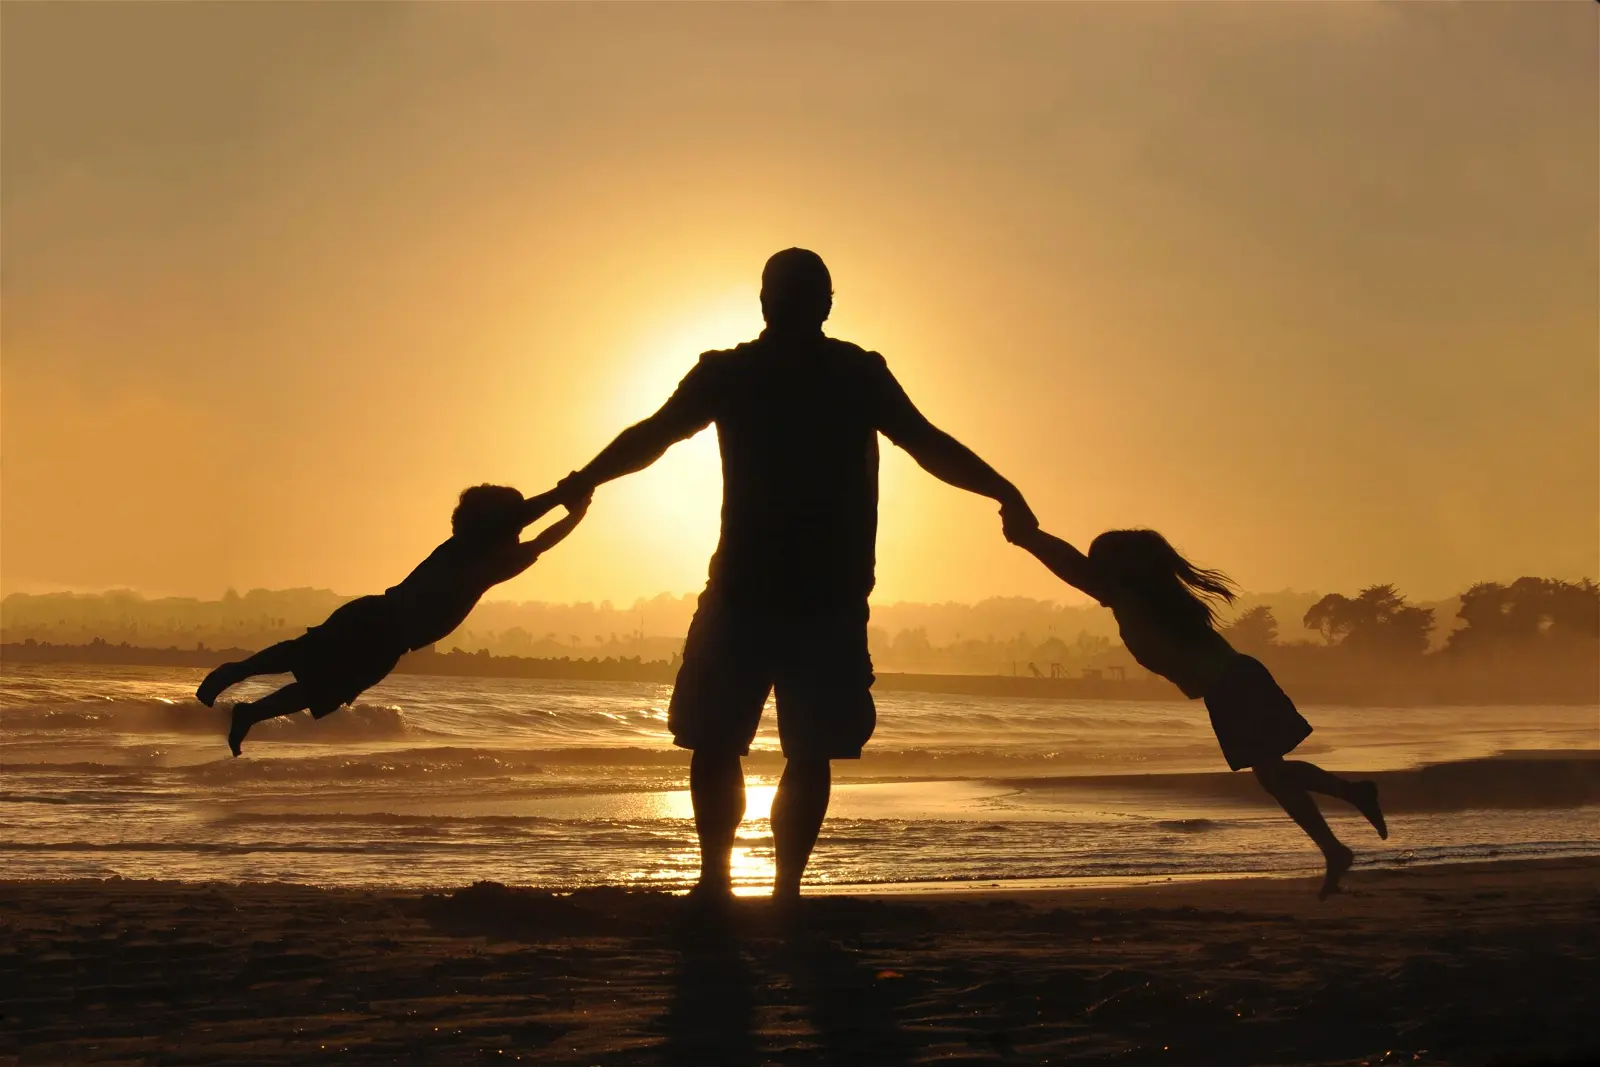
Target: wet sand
point(1489, 963)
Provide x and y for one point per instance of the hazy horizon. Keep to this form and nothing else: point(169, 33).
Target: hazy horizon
point(1313, 289)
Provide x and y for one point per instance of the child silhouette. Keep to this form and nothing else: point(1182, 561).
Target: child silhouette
point(1164, 610)
point(361, 642)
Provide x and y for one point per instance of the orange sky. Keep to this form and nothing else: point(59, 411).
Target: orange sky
point(1311, 288)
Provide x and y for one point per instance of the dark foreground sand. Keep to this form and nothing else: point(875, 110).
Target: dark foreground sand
point(1496, 963)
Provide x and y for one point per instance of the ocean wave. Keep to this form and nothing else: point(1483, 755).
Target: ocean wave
point(156, 715)
point(467, 761)
point(1509, 781)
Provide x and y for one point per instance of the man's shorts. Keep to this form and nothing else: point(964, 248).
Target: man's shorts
point(816, 660)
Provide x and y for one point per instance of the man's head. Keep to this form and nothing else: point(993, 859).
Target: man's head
point(796, 290)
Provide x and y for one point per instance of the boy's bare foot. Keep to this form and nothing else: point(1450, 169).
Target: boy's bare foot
point(1367, 804)
point(214, 684)
point(1338, 863)
point(238, 726)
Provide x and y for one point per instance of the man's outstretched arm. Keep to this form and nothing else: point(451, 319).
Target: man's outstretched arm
point(947, 459)
point(681, 417)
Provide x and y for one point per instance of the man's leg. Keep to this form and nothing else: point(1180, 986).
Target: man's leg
point(798, 809)
point(716, 787)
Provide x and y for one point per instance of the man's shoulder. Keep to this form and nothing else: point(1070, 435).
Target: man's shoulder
point(853, 359)
point(742, 350)
point(717, 360)
point(850, 350)
point(753, 355)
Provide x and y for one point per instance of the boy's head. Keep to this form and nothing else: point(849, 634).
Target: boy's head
point(487, 511)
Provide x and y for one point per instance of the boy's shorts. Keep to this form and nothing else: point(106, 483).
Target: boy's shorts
point(351, 652)
point(817, 661)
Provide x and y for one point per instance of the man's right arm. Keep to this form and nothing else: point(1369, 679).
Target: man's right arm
point(686, 413)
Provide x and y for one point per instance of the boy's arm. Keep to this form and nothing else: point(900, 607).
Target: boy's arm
point(526, 553)
point(1064, 561)
point(536, 507)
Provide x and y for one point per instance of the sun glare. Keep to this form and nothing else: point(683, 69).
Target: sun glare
point(751, 861)
point(678, 499)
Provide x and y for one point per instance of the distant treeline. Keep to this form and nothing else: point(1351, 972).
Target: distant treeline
point(998, 635)
point(1532, 640)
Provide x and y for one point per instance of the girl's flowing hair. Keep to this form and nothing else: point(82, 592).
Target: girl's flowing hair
point(1143, 563)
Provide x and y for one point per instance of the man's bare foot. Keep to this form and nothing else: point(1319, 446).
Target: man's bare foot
point(1367, 804)
point(238, 726)
point(1338, 863)
point(711, 892)
point(215, 683)
point(786, 899)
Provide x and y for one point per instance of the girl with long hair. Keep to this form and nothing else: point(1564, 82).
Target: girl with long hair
point(1165, 608)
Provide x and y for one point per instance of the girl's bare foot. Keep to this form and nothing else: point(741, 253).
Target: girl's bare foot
point(1338, 862)
point(1367, 804)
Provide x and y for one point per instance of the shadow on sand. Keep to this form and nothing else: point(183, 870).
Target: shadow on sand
point(750, 985)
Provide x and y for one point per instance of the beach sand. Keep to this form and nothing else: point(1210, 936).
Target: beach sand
point(1489, 963)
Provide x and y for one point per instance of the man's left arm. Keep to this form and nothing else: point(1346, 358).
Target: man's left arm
point(945, 458)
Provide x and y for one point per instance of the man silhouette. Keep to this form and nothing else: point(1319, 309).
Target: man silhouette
point(785, 604)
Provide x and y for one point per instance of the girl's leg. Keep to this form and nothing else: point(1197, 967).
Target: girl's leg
point(286, 701)
point(1364, 795)
point(278, 659)
point(1276, 779)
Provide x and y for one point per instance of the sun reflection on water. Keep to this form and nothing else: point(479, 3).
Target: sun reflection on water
point(752, 861)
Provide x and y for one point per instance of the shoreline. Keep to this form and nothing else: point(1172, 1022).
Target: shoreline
point(954, 890)
point(1458, 964)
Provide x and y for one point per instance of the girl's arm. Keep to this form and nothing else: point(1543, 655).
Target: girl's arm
point(1065, 562)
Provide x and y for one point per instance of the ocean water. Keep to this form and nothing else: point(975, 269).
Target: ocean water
point(444, 781)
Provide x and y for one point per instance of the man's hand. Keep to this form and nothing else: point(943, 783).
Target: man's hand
point(580, 507)
point(1017, 520)
point(573, 488)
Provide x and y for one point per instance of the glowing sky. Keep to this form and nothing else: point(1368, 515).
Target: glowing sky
point(1310, 287)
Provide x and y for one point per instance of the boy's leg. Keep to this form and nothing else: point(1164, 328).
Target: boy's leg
point(798, 809)
point(1364, 795)
point(716, 786)
point(1297, 803)
point(286, 701)
point(277, 659)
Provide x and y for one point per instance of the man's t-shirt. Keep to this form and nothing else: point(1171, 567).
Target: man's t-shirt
point(797, 421)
